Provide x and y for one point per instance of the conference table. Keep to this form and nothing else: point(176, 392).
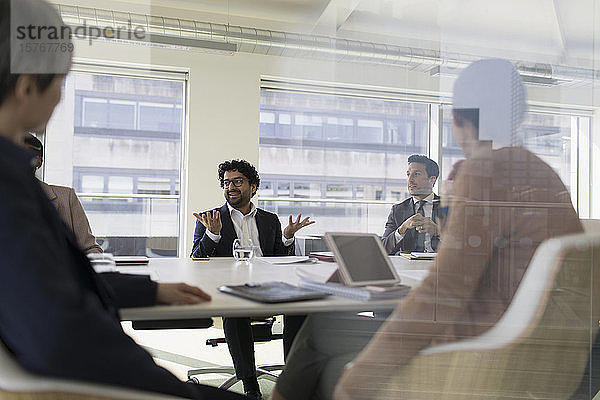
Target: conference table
point(212, 273)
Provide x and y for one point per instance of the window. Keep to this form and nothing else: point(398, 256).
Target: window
point(339, 129)
point(123, 136)
point(451, 152)
point(370, 131)
point(160, 117)
point(549, 135)
point(343, 159)
point(308, 126)
point(285, 125)
point(267, 123)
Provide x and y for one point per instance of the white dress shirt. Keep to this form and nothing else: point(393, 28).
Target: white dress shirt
point(428, 211)
point(245, 228)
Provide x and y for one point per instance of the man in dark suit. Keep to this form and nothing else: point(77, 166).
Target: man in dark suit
point(413, 224)
point(58, 317)
point(215, 233)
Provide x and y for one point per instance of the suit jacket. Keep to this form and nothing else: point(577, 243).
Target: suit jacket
point(400, 213)
point(57, 316)
point(269, 236)
point(71, 212)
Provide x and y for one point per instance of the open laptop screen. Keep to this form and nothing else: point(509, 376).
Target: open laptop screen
point(362, 259)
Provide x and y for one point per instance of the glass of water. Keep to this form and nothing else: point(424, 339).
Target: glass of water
point(243, 251)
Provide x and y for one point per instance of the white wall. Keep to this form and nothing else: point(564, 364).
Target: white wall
point(225, 98)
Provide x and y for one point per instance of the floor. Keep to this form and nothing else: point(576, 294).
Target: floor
point(180, 350)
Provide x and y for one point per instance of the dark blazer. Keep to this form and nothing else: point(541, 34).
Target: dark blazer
point(57, 316)
point(400, 213)
point(269, 235)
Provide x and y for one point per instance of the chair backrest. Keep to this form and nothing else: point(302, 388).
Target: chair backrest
point(540, 346)
point(17, 383)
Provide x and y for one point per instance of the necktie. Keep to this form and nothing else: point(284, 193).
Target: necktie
point(420, 244)
point(420, 210)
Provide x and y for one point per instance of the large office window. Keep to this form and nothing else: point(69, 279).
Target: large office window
point(337, 158)
point(117, 140)
point(342, 159)
point(559, 137)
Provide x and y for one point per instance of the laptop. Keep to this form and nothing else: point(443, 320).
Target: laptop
point(364, 271)
point(362, 260)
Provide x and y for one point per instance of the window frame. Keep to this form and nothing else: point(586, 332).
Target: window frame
point(168, 73)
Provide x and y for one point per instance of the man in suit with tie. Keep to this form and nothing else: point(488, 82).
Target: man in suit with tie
point(240, 219)
point(413, 224)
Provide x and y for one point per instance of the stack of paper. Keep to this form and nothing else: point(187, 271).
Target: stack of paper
point(285, 260)
point(356, 292)
point(317, 280)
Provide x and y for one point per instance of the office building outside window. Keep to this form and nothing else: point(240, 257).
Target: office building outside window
point(117, 140)
point(559, 137)
point(342, 159)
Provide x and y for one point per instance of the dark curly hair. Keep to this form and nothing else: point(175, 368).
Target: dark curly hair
point(244, 168)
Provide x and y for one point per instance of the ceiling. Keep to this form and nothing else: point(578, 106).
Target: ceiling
point(553, 31)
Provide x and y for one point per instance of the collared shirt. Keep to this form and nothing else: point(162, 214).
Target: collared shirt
point(245, 228)
point(428, 211)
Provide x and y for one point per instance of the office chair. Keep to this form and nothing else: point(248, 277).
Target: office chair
point(161, 247)
point(538, 349)
point(262, 331)
point(18, 384)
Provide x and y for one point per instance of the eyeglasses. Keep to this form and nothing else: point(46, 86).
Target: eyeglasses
point(237, 182)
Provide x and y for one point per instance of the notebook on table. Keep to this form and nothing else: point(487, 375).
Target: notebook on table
point(273, 292)
point(415, 255)
point(364, 272)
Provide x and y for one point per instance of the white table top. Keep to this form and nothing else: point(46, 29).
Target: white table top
point(211, 274)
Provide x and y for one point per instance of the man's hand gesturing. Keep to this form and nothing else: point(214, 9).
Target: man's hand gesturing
point(295, 226)
point(211, 220)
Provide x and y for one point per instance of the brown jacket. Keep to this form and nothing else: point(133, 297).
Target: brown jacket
point(504, 204)
point(70, 210)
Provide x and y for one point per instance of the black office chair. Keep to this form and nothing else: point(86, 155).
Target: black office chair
point(262, 331)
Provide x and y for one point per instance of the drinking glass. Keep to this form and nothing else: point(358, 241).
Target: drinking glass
point(243, 251)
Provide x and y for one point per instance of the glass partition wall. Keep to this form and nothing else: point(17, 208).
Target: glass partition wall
point(339, 154)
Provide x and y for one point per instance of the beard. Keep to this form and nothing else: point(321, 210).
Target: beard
point(238, 198)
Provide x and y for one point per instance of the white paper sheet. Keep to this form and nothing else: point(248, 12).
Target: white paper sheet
point(285, 260)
